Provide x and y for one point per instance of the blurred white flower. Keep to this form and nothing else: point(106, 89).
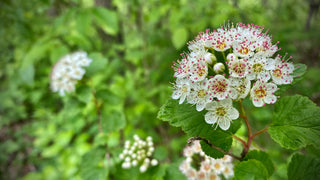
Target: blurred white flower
point(197, 165)
point(138, 153)
point(67, 71)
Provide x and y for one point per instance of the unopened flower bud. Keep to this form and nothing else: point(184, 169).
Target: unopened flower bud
point(149, 138)
point(143, 168)
point(150, 143)
point(127, 159)
point(136, 137)
point(121, 156)
point(134, 163)
point(219, 68)
point(154, 162)
point(210, 58)
point(126, 165)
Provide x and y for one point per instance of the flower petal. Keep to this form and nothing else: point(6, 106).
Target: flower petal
point(233, 113)
point(257, 102)
point(210, 118)
point(270, 99)
point(224, 123)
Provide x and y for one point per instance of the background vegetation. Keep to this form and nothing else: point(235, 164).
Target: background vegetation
point(132, 44)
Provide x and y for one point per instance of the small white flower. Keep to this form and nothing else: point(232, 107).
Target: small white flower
point(259, 68)
point(182, 90)
point(281, 73)
point(262, 93)
point(228, 171)
point(201, 175)
point(265, 47)
point(198, 70)
point(188, 151)
point(214, 176)
point(239, 88)
point(222, 113)
point(222, 40)
point(238, 68)
point(200, 96)
point(205, 166)
point(218, 165)
point(183, 68)
point(219, 87)
point(227, 159)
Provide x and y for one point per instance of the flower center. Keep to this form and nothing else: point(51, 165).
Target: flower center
point(221, 45)
point(217, 166)
point(260, 93)
point(221, 111)
point(244, 50)
point(277, 73)
point(201, 72)
point(184, 89)
point(220, 86)
point(201, 93)
point(241, 89)
point(239, 68)
point(257, 68)
point(213, 177)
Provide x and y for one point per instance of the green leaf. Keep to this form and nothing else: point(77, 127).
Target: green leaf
point(219, 138)
point(84, 94)
point(299, 70)
point(304, 167)
point(98, 63)
point(27, 74)
point(106, 19)
point(57, 53)
point(263, 158)
point(112, 120)
point(179, 37)
point(313, 150)
point(173, 172)
point(91, 167)
point(192, 122)
point(250, 170)
point(296, 123)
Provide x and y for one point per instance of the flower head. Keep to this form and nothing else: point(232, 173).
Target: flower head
point(138, 153)
point(197, 165)
point(67, 71)
point(230, 62)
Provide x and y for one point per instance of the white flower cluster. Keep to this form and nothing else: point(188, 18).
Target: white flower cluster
point(198, 166)
point(67, 71)
point(138, 153)
point(229, 64)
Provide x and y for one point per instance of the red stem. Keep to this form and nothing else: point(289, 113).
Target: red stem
point(239, 139)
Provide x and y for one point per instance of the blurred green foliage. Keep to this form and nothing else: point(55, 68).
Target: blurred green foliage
point(132, 44)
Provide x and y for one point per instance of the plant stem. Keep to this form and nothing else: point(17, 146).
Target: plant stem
point(245, 118)
point(213, 146)
point(239, 139)
point(98, 108)
point(259, 132)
